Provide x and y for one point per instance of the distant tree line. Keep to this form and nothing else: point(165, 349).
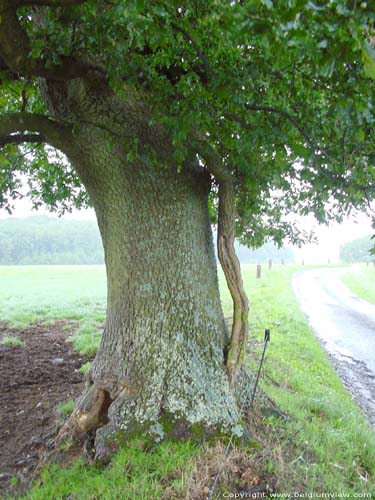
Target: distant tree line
point(358, 250)
point(47, 240)
point(269, 251)
point(263, 254)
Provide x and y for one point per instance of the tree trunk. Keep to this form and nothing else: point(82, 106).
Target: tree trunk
point(160, 368)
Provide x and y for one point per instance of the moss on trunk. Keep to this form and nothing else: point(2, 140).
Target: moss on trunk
point(162, 351)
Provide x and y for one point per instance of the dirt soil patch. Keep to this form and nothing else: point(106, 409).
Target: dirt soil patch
point(34, 379)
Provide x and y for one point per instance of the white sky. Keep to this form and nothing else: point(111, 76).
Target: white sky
point(23, 209)
point(330, 238)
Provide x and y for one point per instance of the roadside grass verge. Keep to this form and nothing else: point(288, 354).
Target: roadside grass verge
point(361, 281)
point(325, 445)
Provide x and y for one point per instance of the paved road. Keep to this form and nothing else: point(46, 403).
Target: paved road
point(345, 324)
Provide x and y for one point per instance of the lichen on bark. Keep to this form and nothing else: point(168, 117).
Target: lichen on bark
point(164, 343)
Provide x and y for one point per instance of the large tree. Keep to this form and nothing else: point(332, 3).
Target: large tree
point(167, 116)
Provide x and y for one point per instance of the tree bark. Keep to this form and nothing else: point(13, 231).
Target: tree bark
point(230, 264)
point(161, 361)
point(232, 271)
point(160, 369)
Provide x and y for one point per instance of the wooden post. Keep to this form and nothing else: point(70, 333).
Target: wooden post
point(259, 271)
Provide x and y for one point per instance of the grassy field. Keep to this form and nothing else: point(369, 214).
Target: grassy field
point(32, 294)
point(325, 446)
point(361, 281)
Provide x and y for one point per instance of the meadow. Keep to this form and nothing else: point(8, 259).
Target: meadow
point(35, 294)
point(325, 444)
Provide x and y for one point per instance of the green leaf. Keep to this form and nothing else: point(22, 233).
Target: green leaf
point(368, 57)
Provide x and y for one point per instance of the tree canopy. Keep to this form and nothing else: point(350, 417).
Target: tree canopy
point(279, 93)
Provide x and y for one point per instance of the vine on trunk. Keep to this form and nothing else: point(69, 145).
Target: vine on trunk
point(228, 258)
point(232, 271)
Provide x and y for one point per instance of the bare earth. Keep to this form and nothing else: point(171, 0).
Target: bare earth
point(34, 379)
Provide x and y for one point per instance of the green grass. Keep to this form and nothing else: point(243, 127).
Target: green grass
point(326, 428)
point(66, 408)
point(361, 281)
point(85, 367)
point(133, 475)
point(12, 342)
point(30, 294)
point(326, 444)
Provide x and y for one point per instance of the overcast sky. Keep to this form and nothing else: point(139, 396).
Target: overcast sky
point(330, 238)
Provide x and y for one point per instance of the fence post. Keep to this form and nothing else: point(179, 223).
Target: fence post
point(259, 271)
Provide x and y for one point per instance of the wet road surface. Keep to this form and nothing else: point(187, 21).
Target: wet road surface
point(345, 324)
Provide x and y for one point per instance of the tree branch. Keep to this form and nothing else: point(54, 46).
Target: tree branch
point(15, 50)
point(21, 138)
point(235, 118)
point(285, 114)
point(5, 72)
point(269, 109)
point(197, 49)
point(20, 127)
